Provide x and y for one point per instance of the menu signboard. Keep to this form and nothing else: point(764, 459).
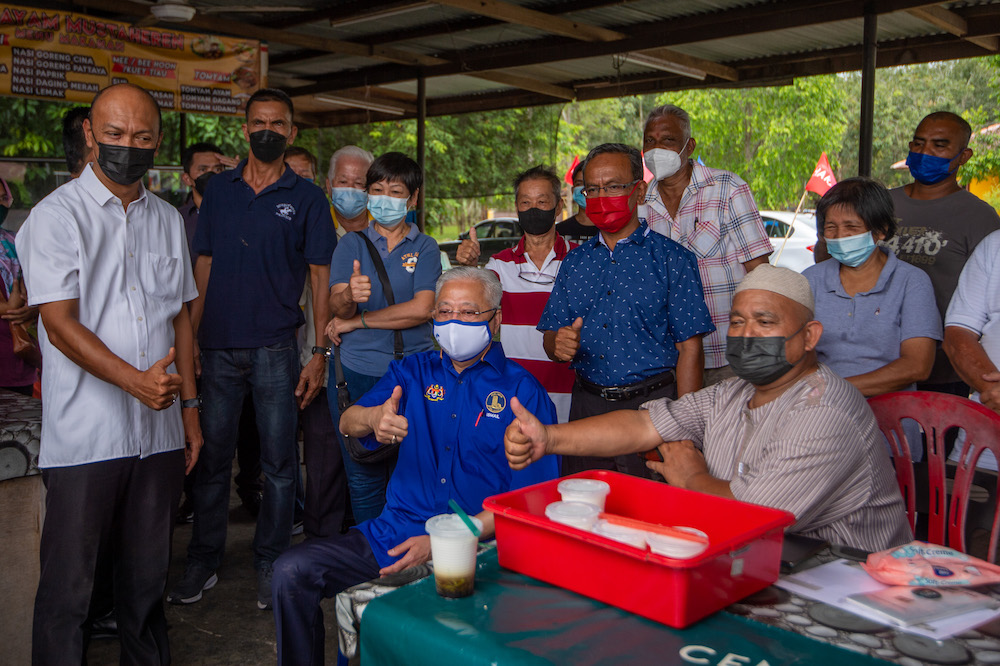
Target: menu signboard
point(54, 55)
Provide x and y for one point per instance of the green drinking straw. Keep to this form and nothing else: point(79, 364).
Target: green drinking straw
point(464, 516)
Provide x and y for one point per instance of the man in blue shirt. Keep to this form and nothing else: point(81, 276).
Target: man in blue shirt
point(261, 230)
point(627, 309)
point(448, 417)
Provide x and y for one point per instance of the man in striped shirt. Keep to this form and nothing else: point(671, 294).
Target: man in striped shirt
point(527, 273)
point(786, 433)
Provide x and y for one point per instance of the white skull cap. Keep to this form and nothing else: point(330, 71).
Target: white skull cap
point(782, 281)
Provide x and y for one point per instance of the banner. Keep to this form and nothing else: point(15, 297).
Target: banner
point(822, 178)
point(62, 56)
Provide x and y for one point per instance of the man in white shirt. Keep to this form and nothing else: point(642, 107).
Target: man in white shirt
point(107, 264)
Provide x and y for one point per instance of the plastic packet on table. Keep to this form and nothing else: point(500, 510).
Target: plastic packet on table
point(928, 565)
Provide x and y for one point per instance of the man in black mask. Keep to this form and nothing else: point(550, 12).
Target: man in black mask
point(261, 231)
point(106, 262)
point(786, 432)
point(200, 162)
point(527, 273)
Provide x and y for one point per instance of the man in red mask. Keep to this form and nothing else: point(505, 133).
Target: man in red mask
point(627, 310)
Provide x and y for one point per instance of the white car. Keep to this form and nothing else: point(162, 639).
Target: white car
point(793, 240)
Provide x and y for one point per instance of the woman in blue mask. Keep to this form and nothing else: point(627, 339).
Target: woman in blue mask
point(880, 321)
point(364, 324)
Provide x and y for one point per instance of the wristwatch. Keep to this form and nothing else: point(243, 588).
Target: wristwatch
point(325, 351)
point(191, 403)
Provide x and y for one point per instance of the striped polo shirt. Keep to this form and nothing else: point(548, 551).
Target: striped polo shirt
point(526, 290)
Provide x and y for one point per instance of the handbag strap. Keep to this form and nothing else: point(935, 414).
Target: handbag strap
point(397, 351)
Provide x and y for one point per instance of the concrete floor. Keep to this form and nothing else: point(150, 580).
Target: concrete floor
point(224, 628)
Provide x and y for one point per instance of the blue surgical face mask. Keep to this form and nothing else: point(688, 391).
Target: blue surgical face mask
point(387, 211)
point(929, 169)
point(349, 201)
point(578, 197)
point(853, 250)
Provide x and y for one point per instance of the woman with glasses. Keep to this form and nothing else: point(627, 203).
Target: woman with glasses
point(364, 324)
point(880, 321)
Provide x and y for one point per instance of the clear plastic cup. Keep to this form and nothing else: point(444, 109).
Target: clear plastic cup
point(575, 514)
point(453, 550)
point(590, 491)
point(679, 549)
point(621, 534)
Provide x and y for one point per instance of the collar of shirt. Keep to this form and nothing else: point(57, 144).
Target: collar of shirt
point(286, 179)
point(93, 186)
point(832, 283)
point(381, 242)
point(557, 253)
point(701, 177)
point(494, 357)
point(638, 236)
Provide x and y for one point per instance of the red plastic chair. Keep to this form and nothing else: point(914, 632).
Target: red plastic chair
point(937, 413)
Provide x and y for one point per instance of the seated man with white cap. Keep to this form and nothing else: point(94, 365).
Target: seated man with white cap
point(787, 432)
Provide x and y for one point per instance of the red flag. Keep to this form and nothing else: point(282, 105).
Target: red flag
point(569, 174)
point(822, 178)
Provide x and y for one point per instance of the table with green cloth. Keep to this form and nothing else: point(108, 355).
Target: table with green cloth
point(514, 619)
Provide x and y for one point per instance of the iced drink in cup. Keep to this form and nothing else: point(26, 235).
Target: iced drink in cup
point(453, 550)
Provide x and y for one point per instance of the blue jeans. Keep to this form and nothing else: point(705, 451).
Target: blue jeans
point(269, 374)
point(366, 482)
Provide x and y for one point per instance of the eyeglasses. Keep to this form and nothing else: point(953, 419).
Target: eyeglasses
point(464, 315)
point(609, 190)
point(536, 277)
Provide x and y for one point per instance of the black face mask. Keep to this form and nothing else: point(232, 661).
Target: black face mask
point(759, 360)
point(536, 221)
point(267, 145)
point(201, 182)
point(124, 165)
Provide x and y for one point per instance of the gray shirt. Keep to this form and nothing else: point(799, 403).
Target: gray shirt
point(815, 451)
point(938, 236)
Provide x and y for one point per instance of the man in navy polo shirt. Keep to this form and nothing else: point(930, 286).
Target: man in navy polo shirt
point(261, 231)
point(447, 411)
point(627, 309)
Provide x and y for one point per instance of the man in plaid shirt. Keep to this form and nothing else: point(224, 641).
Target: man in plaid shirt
point(710, 212)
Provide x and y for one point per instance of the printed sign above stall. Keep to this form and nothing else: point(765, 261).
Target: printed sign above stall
point(62, 56)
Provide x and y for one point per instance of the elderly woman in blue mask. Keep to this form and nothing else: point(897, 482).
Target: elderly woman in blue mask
point(364, 323)
point(880, 321)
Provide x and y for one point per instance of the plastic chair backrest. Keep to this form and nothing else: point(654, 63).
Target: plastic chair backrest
point(937, 413)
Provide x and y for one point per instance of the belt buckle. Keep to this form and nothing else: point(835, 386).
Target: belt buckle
point(614, 394)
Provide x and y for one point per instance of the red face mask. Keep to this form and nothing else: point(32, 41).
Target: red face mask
point(610, 214)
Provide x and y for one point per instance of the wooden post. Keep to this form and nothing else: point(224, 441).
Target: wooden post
point(421, 149)
point(868, 57)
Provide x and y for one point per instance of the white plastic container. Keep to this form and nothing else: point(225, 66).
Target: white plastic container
point(621, 534)
point(453, 550)
point(590, 491)
point(575, 514)
point(680, 549)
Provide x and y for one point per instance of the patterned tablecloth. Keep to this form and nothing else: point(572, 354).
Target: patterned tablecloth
point(20, 432)
point(773, 606)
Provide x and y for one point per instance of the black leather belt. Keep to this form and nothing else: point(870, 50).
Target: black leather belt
point(637, 390)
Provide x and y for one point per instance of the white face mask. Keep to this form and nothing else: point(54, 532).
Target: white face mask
point(462, 340)
point(662, 163)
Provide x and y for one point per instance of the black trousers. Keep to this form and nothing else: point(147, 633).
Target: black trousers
point(123, 509)
point(326, 480)
point(586, 404)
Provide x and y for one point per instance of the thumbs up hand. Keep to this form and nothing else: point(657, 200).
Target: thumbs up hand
point(468, 252)
point(360, 285)
point(388, 425)
point(525, 439)
point(156, 388)
point(568, 340)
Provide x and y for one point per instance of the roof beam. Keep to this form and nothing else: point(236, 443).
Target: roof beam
point(741, 21)
point(532, 18)
point(949, 21)
point(528, 83)
point(351, 12)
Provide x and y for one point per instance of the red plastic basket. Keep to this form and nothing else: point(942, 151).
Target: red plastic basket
point(743, 556)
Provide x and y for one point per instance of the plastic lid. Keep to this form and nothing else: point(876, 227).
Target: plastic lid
point(576, 513)
point(584, 486)
point(680, 549)
point(621, 533)
point(449, 525)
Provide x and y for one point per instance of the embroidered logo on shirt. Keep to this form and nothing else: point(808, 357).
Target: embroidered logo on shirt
point(495, 402)
point(410, 261)
point(434, 392)
point(284, 211)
